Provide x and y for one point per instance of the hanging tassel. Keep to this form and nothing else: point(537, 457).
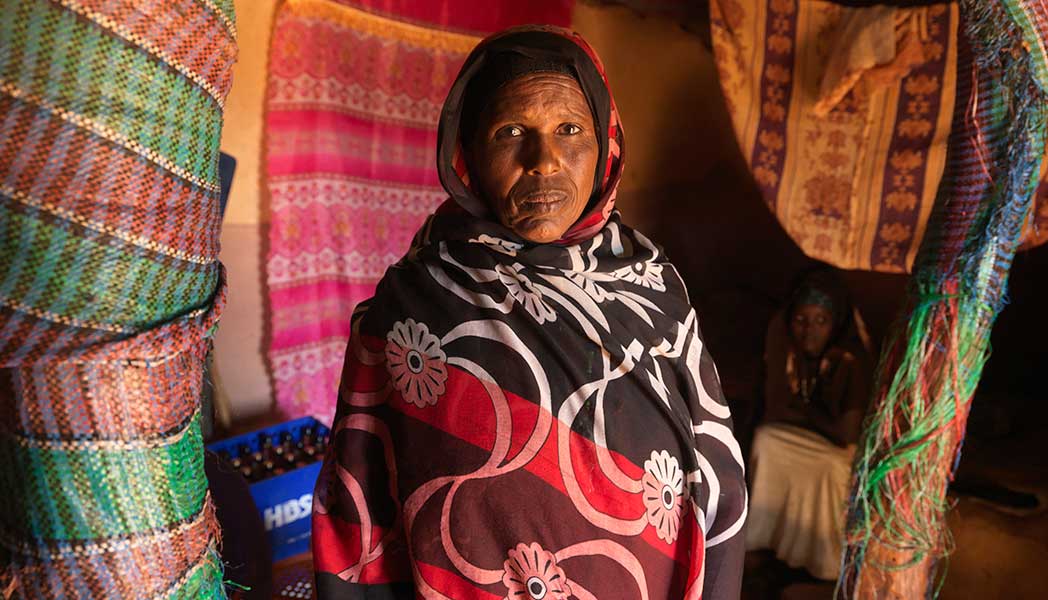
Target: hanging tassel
point(896, 537)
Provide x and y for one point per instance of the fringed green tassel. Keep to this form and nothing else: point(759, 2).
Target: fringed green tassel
point(932, 364)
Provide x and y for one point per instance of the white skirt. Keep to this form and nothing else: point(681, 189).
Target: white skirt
point(798, 498)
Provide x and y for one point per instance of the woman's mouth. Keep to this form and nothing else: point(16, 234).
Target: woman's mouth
point(543, 197)
point(540, 203)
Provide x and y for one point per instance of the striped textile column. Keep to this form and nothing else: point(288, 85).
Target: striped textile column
point(110, 289)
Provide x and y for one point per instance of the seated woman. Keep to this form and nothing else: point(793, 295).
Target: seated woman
point(817, 383)
point(527, 409)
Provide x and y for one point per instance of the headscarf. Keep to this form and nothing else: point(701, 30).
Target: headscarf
point(822, 287)
point(514, 416)
point(536, 44)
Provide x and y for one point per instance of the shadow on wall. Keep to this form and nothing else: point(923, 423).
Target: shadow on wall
point(1014, 375)
point(736, 259)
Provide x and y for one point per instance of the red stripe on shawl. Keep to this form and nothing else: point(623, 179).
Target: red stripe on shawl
point(452, 585)
point(340, 542)
point(473, 421)
point(470, 398)
point(364, 378)
point(336, 543)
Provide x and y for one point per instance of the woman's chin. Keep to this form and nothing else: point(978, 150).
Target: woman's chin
point(539, 231)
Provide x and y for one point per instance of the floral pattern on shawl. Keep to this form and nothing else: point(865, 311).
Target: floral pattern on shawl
point(663, 494)
point(520, 288)
point(416, 363)
point(498, 244)
point(532, 572)
point(646, 274)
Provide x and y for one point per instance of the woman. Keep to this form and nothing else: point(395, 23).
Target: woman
point(818, 377)
point(527, 409)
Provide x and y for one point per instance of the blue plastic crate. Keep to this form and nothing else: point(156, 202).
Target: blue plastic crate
point(285, 501)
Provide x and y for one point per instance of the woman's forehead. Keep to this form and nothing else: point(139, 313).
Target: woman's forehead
point(812, 308)
point(536, 95)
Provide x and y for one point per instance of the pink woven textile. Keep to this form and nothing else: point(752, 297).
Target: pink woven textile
point(354, 93)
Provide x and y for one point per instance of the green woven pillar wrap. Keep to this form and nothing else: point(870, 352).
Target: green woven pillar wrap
point(110, 290)
point(932, 362)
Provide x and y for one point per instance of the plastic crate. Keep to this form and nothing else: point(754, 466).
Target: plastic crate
point(285, 501)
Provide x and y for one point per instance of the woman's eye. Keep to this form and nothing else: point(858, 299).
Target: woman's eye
point(511, 131)
point(570, 129)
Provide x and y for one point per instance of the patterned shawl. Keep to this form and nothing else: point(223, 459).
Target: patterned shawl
point(522, 420)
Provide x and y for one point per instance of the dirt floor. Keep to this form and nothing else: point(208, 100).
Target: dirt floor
point(999, 552)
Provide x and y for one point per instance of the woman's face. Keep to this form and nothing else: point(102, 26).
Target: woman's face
point(811, 327)
point(534, 155)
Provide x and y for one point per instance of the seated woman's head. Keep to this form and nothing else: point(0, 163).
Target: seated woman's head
point(530, 135)
point(817, 309)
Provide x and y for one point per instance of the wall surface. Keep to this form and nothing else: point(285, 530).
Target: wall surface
point(242, 383)
point(242, 131)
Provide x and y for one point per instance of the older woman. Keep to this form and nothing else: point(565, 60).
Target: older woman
point(527, 409)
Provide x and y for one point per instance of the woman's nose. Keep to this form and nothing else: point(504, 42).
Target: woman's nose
point(541, 156)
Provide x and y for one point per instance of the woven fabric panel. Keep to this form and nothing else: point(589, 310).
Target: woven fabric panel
point(843, 114)
point(110, 288)
point(847, 153)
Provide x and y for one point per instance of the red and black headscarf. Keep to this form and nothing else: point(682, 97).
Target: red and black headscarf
point(512, 53)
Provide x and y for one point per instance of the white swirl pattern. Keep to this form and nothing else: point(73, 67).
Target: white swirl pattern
point(671, 489)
